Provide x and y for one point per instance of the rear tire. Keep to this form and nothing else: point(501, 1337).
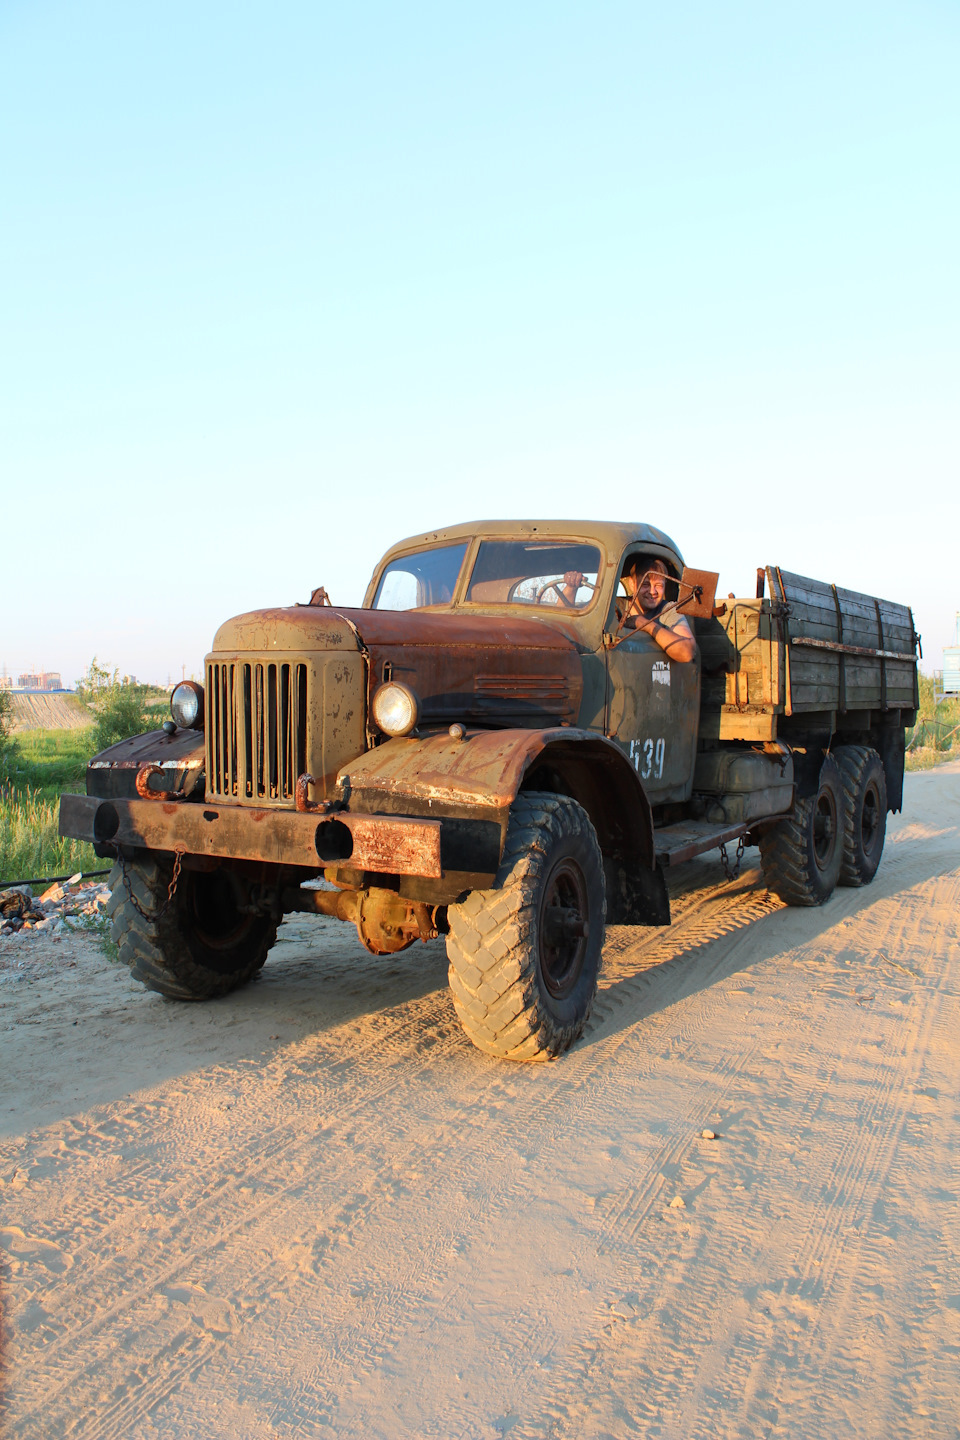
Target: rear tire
point(864, 813)
point(525, 956)
point(202, 946)
point(801, 856)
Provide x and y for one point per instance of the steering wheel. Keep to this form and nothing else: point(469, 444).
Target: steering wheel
point(555, 585)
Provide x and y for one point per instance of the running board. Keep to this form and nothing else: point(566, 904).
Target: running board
point(676, 843)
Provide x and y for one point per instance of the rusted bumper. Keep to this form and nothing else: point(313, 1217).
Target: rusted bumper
point(384, 844)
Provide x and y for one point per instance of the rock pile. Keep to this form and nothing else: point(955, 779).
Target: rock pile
point(21, 911)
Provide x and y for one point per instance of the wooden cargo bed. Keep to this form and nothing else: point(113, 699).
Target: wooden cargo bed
point(809, 648)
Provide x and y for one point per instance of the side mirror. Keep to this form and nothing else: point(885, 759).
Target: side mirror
point(698, 592)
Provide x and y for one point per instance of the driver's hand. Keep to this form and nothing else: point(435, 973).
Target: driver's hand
point(573, 578)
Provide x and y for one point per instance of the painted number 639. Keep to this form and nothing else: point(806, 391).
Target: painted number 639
point(647, 757)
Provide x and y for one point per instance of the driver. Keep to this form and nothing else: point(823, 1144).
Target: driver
point(645, 579)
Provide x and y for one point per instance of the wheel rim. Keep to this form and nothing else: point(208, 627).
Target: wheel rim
point(563, 928)
point(870, 819)
point(218, 921)
point(824, 829)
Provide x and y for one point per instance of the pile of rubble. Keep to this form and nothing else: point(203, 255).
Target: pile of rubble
point(21, 911)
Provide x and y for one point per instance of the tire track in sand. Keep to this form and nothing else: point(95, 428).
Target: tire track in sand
point(366, 1095)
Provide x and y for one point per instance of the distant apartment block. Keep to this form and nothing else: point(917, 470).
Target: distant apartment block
point(6, 682)
point(44, 680)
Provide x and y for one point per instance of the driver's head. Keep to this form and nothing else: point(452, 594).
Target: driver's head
point(645, 577)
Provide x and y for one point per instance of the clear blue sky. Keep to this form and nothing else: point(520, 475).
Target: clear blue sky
point(280, 284)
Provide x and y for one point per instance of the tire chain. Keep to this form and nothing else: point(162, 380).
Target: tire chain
point(152, 915)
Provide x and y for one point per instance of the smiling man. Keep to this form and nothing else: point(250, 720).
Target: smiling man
point(647, 608)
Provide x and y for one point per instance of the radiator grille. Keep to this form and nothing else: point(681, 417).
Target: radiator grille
point(256, 729)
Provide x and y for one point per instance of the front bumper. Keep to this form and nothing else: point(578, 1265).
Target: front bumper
point(384, 844)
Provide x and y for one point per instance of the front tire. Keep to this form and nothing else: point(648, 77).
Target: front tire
point(864, 813)
point(801, 855)
point(525, 956)
point(201, 946)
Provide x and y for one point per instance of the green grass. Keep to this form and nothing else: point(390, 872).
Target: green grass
point(43, 765)
point(29, 844)
point(51, 761)
point(936, 736)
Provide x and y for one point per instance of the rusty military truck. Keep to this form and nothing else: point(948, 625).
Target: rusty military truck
point(483, 750)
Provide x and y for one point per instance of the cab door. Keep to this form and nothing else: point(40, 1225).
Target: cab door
point(652, 713)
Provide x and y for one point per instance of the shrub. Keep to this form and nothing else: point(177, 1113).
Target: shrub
point(119, 705)
point(8, 745)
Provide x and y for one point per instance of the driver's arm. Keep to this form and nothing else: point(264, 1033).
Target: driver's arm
point(676, 641)
point(571, 584)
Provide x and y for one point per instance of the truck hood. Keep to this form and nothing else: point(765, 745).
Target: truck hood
point(477, 668)
point(313, 627)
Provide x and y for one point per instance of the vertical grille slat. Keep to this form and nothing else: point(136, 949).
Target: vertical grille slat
point(273, 733)
point(230, 762)
point(258, 748)
point(301, 727)
point(248, 718)
point(286, 736)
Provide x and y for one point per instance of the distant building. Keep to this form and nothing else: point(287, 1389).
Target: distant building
point(6, 682)
point(44, 680)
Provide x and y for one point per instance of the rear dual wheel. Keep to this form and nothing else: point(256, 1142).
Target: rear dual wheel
point(833, 837)
point(865, 813)
point(801, 855)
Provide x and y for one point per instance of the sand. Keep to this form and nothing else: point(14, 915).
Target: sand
point(36, 710)
point(312, 1209)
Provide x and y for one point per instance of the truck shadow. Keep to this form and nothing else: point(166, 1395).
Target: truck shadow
point(729, 930)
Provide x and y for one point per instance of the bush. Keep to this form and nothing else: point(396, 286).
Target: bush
point(119, 705)
point(8, 745)
point(936, 735)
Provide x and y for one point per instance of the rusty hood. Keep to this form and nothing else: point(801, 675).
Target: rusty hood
point(478, 668)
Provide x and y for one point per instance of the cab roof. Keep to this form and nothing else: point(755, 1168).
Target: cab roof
point(615, 536)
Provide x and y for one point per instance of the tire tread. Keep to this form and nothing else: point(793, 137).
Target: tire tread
point(492, 935)
point(153, 949)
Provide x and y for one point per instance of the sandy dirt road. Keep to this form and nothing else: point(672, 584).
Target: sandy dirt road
point(312, 1209)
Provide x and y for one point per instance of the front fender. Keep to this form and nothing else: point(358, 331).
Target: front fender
point(479, 777)
point(112, 774)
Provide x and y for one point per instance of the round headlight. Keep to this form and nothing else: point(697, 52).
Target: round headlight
point(186, 705)
point(396, 709)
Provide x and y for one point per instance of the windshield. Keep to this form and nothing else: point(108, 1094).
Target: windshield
point(428, 577)
point(522, 572)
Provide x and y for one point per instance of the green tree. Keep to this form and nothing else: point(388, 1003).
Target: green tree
point(119, 705)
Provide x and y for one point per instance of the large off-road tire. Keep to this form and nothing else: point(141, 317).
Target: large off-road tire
point(864, 813)
point(525, 956)
point(801, 855)
point(202, 946)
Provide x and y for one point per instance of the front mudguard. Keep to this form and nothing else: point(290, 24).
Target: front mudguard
point(479, 775)
point(178, 758)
